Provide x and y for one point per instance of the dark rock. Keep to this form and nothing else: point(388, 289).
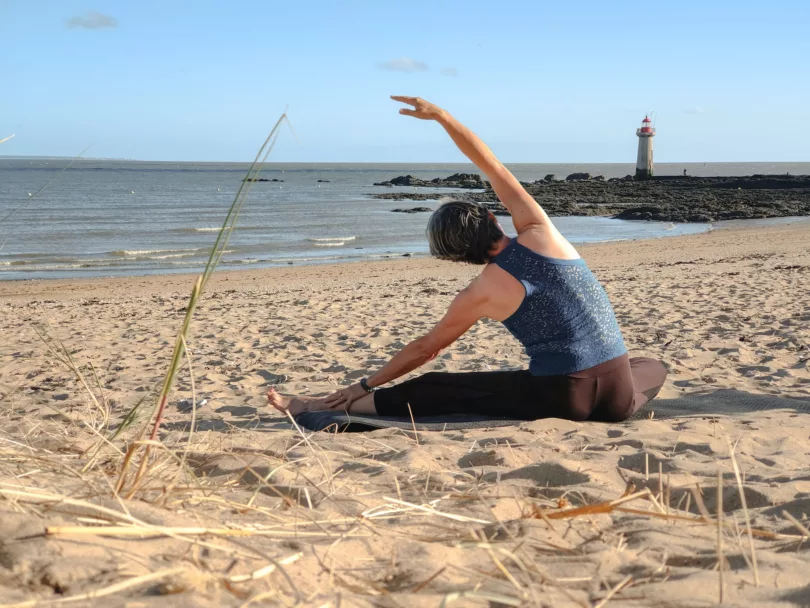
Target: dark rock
point(323, 181)
point(662, 198)
point(578, 177)
point(402, 180)
point(412, 210)
point(405, 196)
point(469, 180)
point(457, 180)
point(549, 178)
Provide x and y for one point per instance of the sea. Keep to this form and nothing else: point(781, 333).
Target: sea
point(102, 218)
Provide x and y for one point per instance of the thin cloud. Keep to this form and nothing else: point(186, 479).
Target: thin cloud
point(450, 72)
point(695, 110)
point(404, 64)
point(92, 21)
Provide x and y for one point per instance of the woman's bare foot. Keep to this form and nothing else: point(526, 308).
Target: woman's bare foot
point(294, 405)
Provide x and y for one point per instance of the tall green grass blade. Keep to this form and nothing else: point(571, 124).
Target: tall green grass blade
point(217, 251)
point(224, 235)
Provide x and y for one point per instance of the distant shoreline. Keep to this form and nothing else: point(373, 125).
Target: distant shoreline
point(247, 163)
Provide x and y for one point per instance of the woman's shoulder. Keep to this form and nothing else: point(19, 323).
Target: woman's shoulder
point(547, 241)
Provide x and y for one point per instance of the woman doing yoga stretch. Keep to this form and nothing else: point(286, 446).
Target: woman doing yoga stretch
point(539, 287)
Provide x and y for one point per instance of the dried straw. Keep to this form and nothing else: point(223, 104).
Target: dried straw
point(104, 591)
point(720, 556)
point(745, 512)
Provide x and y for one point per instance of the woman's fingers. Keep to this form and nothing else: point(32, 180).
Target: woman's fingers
point(340, 404)
point(335, 398)
point(422, 109)
point(410, 100)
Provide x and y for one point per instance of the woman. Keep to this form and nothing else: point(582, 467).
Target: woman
point(539, 287)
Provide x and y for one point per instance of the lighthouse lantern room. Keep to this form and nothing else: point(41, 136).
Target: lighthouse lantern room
point(644, 164)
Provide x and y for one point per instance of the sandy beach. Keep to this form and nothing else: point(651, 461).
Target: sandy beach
point(247, 510)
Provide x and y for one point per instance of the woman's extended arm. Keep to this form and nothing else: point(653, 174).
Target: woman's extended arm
point(462, 314)
point(525, 211)
point(467, 308)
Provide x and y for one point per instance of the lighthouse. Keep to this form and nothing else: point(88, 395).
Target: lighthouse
point(644, 164)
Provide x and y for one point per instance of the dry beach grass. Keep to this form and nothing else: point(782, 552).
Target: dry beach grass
point(245, 509)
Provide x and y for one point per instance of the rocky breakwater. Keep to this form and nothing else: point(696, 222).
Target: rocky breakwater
point(467, 181)
point(669, 199)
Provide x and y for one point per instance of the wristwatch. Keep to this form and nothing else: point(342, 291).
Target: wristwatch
point(366, 387)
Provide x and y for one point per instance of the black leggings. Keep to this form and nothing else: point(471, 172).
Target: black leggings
point(610, 392)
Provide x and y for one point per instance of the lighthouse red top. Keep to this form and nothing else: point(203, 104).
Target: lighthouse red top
point(645, 125)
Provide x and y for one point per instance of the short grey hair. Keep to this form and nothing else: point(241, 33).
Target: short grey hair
point(462, 231)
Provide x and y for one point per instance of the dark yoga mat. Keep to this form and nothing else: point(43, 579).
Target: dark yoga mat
point(349, 423)
point(718, 403)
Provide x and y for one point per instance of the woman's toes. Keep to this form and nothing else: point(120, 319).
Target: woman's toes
point(293, 405)
point(276, 400)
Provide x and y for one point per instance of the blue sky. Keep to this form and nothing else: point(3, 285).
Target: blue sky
point(540, 81)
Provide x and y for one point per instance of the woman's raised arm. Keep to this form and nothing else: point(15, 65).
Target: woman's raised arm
point(526, 212)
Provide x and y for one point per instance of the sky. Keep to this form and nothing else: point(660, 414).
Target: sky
point(538, 81)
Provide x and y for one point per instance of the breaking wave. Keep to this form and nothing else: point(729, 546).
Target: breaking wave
point(149, 252)
point(329, 239)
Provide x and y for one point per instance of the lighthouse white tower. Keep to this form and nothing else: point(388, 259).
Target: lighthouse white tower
point(644, 164)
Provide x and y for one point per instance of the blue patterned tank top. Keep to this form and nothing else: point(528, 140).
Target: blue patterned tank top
point(565, 322)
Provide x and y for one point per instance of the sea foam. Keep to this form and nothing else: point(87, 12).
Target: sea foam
point(328, 239)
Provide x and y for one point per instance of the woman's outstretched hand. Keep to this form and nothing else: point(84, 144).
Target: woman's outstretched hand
point(343, 398)
point(422, 109)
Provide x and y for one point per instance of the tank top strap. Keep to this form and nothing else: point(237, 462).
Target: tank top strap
point(516, 259)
